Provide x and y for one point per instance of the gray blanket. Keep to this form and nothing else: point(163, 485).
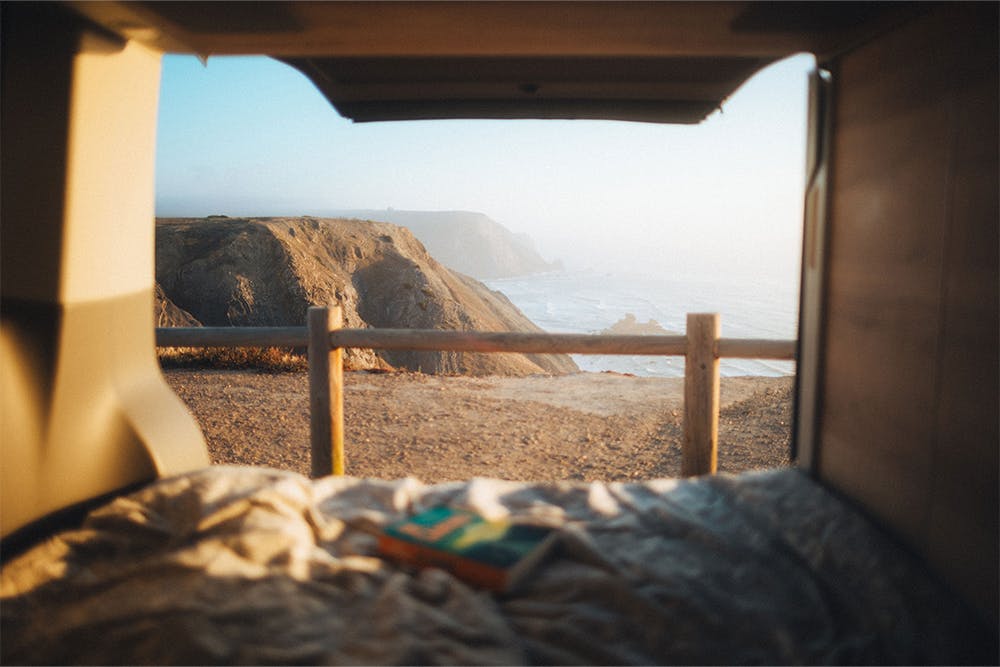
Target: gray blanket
point(249, 565)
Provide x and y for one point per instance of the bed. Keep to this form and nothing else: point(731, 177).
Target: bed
point(259, 566)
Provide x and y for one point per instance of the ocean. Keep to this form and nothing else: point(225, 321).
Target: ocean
point(589, 301)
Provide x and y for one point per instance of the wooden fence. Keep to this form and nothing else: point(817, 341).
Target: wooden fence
point(325, 338)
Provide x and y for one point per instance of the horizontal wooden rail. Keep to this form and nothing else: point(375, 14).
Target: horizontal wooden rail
point(756, 348)
point(468, 341)
point(487, 341)
point(232, 337)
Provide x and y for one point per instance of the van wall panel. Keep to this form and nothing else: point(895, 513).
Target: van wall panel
point(969, 368)
point(908, 420)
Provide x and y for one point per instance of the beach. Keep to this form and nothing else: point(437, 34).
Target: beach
point(437, 428)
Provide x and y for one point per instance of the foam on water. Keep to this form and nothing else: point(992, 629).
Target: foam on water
point(590, 301)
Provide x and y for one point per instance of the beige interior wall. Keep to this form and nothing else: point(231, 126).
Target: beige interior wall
point(85, 410)
point(909, 409)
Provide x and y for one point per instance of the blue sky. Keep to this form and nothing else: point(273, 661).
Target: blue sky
point(252, 136)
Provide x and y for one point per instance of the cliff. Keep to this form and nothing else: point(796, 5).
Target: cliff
point(471, 243)
point(268, 271)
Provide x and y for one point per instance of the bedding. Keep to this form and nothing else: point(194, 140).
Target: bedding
point(258, 566)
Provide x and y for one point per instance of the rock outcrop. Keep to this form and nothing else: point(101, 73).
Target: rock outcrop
point(468, 242)
point(268, 271)
point(630, 326)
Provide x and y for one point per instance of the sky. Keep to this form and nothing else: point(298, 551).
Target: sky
point(244, 136)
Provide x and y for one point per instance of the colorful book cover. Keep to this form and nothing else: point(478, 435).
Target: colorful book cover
point(494, 555)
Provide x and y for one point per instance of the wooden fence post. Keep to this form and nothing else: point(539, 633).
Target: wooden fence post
point(326, 392)
point(701, 395)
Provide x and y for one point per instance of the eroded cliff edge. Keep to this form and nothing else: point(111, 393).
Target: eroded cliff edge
point(268, 271)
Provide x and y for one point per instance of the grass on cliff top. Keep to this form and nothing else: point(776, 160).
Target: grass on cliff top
point(266, 359)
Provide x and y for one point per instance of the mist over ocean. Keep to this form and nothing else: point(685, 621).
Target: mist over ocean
point(589, 301)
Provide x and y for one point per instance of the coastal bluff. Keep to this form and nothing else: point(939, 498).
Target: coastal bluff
point(465, 241)
point(221, 271)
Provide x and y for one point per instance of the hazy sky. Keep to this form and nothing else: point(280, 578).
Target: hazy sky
point(252, 136)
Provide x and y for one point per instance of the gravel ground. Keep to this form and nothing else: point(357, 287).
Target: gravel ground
point(585, 426)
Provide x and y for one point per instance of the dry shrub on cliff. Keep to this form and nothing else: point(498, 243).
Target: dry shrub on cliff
point(269, 359)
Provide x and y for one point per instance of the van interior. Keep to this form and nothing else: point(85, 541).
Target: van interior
point(121, 544)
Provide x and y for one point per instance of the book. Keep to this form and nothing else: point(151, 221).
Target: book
point(493, 555)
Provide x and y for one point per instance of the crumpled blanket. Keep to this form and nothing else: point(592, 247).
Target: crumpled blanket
point(256, 566)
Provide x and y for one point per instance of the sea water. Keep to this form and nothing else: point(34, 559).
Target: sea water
point(590, 301)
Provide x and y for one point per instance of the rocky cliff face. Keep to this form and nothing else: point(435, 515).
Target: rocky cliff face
point(471, 243)
point(268, 271)
point(167, 314)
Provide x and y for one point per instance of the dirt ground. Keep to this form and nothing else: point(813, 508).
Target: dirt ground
point(585, 426)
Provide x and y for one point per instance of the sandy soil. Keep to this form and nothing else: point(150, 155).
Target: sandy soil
point(585, 426)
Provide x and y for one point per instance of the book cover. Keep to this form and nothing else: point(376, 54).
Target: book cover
point(494, 555)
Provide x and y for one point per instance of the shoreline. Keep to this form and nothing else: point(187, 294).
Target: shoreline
point(583, 426)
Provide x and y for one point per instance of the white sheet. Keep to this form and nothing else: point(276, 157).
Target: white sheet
point(252, 566)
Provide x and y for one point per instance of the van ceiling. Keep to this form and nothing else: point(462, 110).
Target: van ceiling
point(672, 62)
